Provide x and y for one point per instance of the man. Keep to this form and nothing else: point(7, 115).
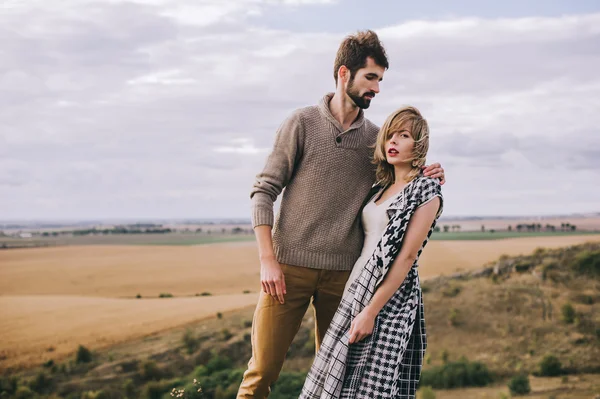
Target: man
point(322, 157)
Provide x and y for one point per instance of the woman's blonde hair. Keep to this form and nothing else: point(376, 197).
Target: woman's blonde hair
point(405, 118)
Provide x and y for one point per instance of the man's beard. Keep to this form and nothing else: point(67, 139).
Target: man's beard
point(360, 101)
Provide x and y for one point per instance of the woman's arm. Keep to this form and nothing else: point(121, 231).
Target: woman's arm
point(416, 233)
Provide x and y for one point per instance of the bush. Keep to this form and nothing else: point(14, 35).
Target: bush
point(247, 323)
point(149, 371)
point(425, 393)
point(226, 334)
point(587, 262)
point(138, 296)
point(190, 342)
point(457, 374)
point(445, 356)
point(550, 366)
point(583, 299)
point(453, 317)
point(24, 393)
point(219, 315)
point(129, 389)
point(84, 355)
point(206, 294)
point(522, 266)
point(289, 385)
point(519, 385)
point(9, 385)
point(156, 390)
point(165, 295)
point(451, 291)
point(221, 383)
point(102, 394)
point(42, 383)
point(218, 363)
point(568, 313)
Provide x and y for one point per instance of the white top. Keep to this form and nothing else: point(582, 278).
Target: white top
point(374, 222)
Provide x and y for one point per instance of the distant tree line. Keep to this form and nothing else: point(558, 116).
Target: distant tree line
point(523, 227)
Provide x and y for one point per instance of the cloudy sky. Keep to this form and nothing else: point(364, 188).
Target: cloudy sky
point(168, 108)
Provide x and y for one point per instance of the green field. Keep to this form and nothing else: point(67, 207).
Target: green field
point(498, 235)
point(125, 239)
point(202, 239)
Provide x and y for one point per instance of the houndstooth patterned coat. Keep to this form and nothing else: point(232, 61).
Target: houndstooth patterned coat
point(386, 364)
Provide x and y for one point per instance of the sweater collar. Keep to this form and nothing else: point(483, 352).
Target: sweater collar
point(324, 108)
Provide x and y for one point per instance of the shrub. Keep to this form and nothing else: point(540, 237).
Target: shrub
point(247, 323)
point(457, 374)
point(102, 394)
point(156, 390)
point(445, 356)
point(84, 355)
point(246, 291)
point(206, 294)
point(453, 317)
point(226, 334)
point(522, 266)
point(129, 389)
point(221, 382)
point(550, 366)
point(229, 392)
point(165, 295)
point(42, 383)
point(218, 363)
point(583, 299)
point(425, 393)
point(587, 262)
point(568, 313)
point(219, 315)
point(289, 385)
point(247, 337)
point(24, 393)
point(9, 385)
point(519, 385)
point(190, 342)
point(452, 291)
point(138, 296)
point(149, 371)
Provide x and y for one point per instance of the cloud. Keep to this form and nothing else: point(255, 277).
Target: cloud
point(169, 108)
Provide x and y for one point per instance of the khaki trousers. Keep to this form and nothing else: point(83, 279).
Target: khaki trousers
point(275, 325)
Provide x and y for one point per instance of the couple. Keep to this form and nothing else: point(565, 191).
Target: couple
point(357, 210)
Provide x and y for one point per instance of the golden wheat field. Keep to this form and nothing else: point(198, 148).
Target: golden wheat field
point(53, 299)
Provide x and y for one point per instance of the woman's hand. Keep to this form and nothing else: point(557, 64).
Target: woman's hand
point(362, 326)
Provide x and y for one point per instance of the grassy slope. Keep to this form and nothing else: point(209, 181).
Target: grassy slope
point(500, 322)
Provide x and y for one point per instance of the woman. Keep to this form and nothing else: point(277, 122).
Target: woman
point(375, 344)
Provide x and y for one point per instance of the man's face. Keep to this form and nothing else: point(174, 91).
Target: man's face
point(365, 84)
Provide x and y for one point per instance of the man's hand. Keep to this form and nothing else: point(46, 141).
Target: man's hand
point(435, 171)
point(272, 278)
point(362, 326)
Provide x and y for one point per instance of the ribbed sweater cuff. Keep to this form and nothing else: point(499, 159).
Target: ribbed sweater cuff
point(262, 210)
point(262, 216)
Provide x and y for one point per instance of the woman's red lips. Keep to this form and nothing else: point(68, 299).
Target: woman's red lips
point(392, 151)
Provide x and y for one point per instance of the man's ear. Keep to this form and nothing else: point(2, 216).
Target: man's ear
point(344, 74)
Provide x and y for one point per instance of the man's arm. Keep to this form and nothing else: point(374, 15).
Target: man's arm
point(267, 187)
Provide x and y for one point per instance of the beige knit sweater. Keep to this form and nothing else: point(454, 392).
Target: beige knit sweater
point(326, 173)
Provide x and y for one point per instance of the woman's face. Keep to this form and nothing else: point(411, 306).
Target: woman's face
point(399, 147)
